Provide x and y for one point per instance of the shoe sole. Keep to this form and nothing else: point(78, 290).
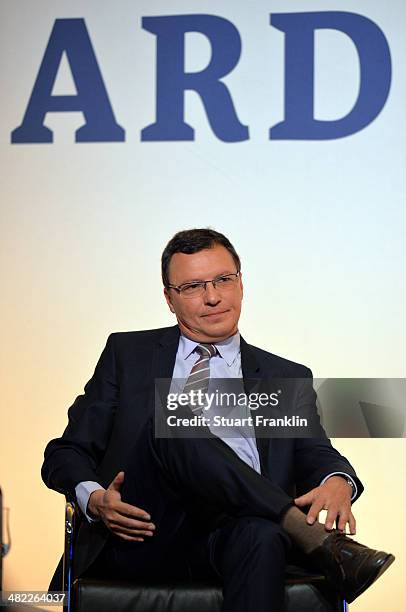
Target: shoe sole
point(387, 561)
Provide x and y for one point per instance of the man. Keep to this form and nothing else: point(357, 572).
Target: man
point(203, 506)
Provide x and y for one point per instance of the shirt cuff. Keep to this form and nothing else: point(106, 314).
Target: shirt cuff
point(354, 484)
point(83, 491)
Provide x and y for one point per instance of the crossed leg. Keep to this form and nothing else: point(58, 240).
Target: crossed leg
point(200, 491)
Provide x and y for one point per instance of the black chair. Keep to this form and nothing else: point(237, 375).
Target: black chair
point(305, 591)
point(4, 548)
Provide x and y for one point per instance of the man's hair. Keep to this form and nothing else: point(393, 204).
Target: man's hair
point(191, 241)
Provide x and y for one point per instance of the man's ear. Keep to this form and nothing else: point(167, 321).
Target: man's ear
point(168, 300)
point(242, 286)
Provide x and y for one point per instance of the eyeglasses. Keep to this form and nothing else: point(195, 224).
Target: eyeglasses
point(221, 283)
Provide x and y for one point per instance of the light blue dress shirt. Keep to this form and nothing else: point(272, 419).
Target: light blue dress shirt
point(225, 364)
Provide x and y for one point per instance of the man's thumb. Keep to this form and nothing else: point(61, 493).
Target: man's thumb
point(117, 482)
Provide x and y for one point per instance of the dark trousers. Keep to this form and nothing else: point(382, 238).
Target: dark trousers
point(214, 515)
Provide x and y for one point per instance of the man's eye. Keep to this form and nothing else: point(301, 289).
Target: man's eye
point(223, 280)
point(191, 286)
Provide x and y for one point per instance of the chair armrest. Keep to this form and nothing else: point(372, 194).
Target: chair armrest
point(70, 519)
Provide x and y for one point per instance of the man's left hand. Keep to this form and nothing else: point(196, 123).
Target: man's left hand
point(335, 497)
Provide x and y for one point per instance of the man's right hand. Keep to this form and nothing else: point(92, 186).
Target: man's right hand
point(125, 521)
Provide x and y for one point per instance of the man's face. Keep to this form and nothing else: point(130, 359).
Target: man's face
point(212, 316)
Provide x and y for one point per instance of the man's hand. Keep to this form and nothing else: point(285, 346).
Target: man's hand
point(125, 521)
point(335, 497)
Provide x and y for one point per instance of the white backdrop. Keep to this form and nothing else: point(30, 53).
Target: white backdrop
point(319, 224)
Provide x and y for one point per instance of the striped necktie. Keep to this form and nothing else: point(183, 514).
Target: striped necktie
point(200, 373)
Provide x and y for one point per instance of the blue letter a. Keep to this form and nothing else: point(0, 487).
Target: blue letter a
point(71, 36)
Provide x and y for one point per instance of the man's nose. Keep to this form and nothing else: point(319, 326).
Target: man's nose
point(211, 295)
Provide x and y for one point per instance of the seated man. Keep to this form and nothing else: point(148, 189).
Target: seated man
point(227, 507)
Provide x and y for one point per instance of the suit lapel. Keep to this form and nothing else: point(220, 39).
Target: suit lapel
point(249, 365)
point(252, 378)
point(165, 353)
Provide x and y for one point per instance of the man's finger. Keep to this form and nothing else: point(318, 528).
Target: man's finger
point(128, 538)
point(352, 524)
point(342, 520)
point(314, 511)
point(332, 514)
point(305, 500)
point(131, 511)
point(130, 532)
point(123, 521)
point(117, 482)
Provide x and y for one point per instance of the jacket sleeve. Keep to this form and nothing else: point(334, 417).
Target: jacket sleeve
point(74, 456)
point(316, 458)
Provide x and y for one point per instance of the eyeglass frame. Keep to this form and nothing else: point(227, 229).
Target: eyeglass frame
point(179, 288)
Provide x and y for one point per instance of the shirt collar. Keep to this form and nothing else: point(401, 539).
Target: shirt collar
point(228, 349)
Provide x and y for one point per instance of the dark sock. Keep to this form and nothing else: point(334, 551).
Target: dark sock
point(306, 537)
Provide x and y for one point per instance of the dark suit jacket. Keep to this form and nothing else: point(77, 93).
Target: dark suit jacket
point(119, 399)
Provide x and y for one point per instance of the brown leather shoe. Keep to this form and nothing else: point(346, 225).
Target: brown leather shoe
point(350, 567)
